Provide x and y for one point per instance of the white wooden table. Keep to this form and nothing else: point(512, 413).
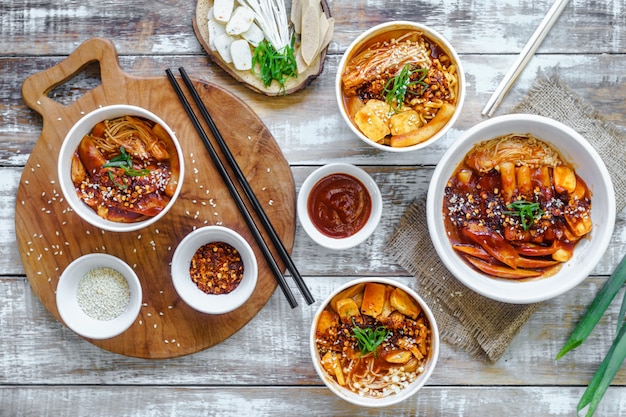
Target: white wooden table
point(265, 368)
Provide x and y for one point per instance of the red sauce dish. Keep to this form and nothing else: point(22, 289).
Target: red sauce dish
point(339, 206)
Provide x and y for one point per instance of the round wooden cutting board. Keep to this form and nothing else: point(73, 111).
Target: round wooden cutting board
point(50, 235)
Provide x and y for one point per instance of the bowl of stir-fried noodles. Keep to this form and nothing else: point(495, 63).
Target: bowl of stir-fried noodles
point(374, 342)
point(120, 168)
point(400, 86)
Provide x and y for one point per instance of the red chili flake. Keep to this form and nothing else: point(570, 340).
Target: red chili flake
point(216, 268)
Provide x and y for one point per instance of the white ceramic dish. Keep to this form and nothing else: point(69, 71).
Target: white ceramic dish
point(405, 393)
point(589, 166)
point(189, 291)
point(363, 40)
point(73, 315)
point(368, 228)
point(71, 141)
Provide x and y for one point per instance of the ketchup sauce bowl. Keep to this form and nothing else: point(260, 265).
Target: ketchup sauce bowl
point(339, 206)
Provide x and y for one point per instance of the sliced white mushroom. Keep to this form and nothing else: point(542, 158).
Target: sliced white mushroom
point(240, 21)
point(215, 29)
point(222, 10)
point(254, 35)
point(222, 44)
point(241, 54)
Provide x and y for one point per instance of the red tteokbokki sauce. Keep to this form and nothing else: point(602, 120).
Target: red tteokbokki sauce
point(339, 205)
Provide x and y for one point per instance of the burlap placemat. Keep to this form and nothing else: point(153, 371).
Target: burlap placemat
point(466, 319)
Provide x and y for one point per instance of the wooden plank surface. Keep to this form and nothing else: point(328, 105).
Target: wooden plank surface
point(265, 369)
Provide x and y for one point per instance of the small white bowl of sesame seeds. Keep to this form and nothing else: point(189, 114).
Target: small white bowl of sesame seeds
point(98, 296)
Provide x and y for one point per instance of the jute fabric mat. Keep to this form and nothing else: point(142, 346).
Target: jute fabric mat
point(466, 319)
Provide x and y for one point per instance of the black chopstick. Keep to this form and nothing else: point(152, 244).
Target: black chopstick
point(234, 193)
point(265, 221)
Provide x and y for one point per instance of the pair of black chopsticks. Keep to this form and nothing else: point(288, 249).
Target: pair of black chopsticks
point(243, 182)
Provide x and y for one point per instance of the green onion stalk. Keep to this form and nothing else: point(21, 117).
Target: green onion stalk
point(616, 355)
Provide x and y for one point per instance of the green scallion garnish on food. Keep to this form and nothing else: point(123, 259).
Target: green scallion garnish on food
point(272, 65)
point(124, 161)
point(396, 88)
point(617, 352)
point(526, 211)
point(368, 338)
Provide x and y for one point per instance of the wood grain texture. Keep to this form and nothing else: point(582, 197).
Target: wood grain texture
point(50, 235)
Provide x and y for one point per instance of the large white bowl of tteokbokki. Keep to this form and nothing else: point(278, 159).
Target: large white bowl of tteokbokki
point(374, 342)
point(521, 208)
point(120, 168)
point(400, 86)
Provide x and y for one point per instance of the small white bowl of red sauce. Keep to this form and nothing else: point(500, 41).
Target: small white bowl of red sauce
point(214, 270)
point(339, 205)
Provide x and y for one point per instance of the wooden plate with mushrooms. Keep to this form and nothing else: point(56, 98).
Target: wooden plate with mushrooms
point(253, 40)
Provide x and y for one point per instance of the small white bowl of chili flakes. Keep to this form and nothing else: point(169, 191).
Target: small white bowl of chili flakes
point(214, 270)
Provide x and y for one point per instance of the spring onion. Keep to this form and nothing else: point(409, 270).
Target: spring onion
point(124, 161)
point(528, 212)
point(596, 309)
point(273, 65)
point(396, 88)
point(617, 353)
point(368, 339)
point(604, 375)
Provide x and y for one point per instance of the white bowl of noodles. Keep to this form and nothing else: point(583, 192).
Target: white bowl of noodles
point(372, 93)
point(530, 249)
point(393, 368)
point(120, 168)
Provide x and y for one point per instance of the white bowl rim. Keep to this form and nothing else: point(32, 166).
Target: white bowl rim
point(392, 399)
point(429, 32)
point(510, 291)
point(71, 313)
point(369, 227)
point(83, 126)
point(190, 293)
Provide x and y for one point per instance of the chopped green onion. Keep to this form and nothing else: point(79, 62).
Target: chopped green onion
point(273, 65)
point(596, 309)
point(368, 339)
point(124, 161)
point(528, 212)
point(396, 88)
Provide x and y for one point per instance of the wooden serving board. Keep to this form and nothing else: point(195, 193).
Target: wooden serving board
point(50, 235)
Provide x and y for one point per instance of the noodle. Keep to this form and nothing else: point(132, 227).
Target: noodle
point(410, 73)
point(126, 169)
point(404, 345)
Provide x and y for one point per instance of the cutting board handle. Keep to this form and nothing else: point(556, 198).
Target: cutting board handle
point(35, 88)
